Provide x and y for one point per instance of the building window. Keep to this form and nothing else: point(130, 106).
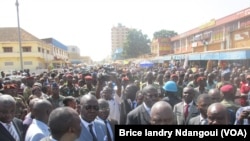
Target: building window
point(47, 51)
point(73, 49)
point(27, 63)
point(7, 49)
point(8, 63)
point(39, 49)
point(26, 49)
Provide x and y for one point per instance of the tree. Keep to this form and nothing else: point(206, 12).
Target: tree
point(137, 44)
point(164, 34)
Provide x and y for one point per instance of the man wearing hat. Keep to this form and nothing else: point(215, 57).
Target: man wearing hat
point(28, 88)
point(69, 89)
point(171, 90)
point(244, 90)
point(56, 98)
point(21, 105)
point(88, 86)
point(228, 96)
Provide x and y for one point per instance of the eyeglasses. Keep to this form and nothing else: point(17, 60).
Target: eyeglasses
point(93, 107)
point(104, 109)
point(152, 95)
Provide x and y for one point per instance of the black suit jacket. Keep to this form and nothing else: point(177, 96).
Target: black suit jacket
point(6, 136)
point(113, 122)
point(138, 116)
point(125, 109)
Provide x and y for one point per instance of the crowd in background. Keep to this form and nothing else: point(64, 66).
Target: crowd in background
point(86, 104)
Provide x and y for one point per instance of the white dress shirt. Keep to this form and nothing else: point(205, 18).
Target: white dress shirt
point(37, 130)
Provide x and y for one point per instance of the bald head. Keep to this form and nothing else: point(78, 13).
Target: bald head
point(41, 110)
point(217, 114)
point(63, 120)
point(215, 95)
point(161, 113)
point(87, 97)
point(7, 99)
point(103, 103)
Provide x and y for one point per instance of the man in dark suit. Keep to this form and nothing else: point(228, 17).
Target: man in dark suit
point(141, 114)
point(103, 117)
point(11, 128)
point(187, 108)
point(129, 102)
point(92, 130)
point(203, 101)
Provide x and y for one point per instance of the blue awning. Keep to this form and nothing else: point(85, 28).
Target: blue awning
point(195, 56)
point(179, 57)
point(234, 55)
point(210, 56)
point(167, 57)
point(76, 62)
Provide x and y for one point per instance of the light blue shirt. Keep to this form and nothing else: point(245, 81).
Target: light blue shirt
point(37, 130)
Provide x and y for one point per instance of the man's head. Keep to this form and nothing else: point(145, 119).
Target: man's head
point(103, 109)
point(203, 101)
point(70, 101)
point(130, 91)
point(150, 95)
point(188, 94)
point(89, 107)
point(217, 114)
point(7, 108)
point(106, 93)
point(64, 124)
point(41, 110)
point(215, 95)
point(161, 114)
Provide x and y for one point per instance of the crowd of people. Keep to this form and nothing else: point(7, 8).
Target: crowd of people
point(86, 105)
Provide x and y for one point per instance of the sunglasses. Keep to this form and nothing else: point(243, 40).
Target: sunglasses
point(89, 107)
point(104, 109)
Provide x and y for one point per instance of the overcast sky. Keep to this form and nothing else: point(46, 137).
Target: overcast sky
point(87, 23)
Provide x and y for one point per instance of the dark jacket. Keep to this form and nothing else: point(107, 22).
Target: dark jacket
point(6, 136)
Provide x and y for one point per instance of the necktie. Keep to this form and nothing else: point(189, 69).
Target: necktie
point(203, 122)
point(186, 111)
point(108, 133)
point(12, 132)
point(92, 132)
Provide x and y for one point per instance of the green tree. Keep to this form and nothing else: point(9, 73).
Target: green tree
point(137, 44)
point(164, 34)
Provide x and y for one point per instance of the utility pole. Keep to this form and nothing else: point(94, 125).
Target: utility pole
point(19, 36)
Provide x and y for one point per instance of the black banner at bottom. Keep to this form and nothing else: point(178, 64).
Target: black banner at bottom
point(164, 132)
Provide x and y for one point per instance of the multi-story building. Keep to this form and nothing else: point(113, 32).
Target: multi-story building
point(118, 37)
point(161, 46)
point(74, 55)
point(36, 54)
point(227, 38)
point(59, 52)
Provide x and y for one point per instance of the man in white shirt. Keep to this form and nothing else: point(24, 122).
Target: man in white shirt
point(39, 128)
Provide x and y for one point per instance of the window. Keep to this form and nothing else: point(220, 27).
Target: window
point(73, 49)
point(47, 51)
point(8, 63)
point(7, 49)
point(26, 49)
point(39, 49)
point(27, 62)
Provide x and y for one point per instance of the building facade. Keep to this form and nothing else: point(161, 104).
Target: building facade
point(59, 52)
point(118, 37)
point(36, 54)
point(227, 38)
